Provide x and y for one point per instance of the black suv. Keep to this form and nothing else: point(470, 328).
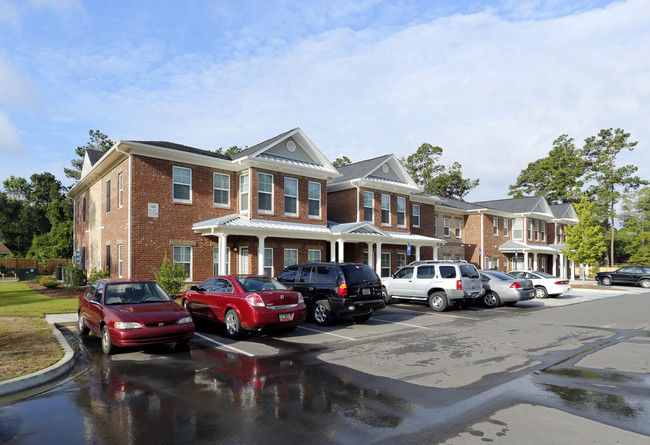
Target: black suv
point(626, 275)
point(335, 289)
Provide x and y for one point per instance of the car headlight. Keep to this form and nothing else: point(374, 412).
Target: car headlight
point(127, 325)
point(185, 320)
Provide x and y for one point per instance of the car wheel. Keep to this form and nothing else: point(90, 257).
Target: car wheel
point(540, 292)
point(107, 344)
point(361, 318)
point(81, 327)
point(233, 325)
point(606, 281)
point(322, 314)
point(491, 299)
point(645, 283)
point(438, 301)
point(384, 294)
point(186, 306)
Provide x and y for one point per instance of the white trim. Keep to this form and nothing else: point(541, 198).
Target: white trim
point(227, 204)
point(419, 215)
point(260, 210)
point(179, 200)
point(381, 205)
point(372, 209)
point(403, 198)
point(320, 200)
point(296, 197)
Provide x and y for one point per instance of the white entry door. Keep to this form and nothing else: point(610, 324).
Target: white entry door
point(243, 260)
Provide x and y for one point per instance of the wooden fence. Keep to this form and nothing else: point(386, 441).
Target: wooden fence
point(48, 268)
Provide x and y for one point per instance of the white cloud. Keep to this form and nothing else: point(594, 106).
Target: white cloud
point(10, 141)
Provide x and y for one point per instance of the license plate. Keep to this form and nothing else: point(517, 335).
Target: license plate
point(286, 317)
point(365, 291)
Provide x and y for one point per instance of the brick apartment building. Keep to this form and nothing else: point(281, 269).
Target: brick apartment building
point(281, 202)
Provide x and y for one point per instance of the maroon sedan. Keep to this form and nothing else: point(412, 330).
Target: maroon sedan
point(132, 313)
point(246, 303)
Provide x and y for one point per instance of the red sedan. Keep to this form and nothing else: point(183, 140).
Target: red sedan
point(246, 303)
point(132, 313)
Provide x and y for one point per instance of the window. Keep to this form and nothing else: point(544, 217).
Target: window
point(447, 226)
point(120, 262)
point(290, 257)
point(183, 256)
point(537, 230)
point(368, 206)
point(268, 261)
point(517, 229)
point(435, 225)
point(120, 190)
point(108, 196)
point(530, 230)
point(314, 190)
point(313, 256)
point(244, 266)
point(401, 260)
point(543, 230)
point(416, 215)
point(182, 181)
point(459, 228)
point(265, 193)
point(385, 209)
point(108, 259)
point(290, 196)
point(385, 264)
point(215, 261)
point(505, 263)
point(543, 264)
point(505, 227)
point(401, 211)
point(426, 271)
point(495, 226)
point(84, 210)
point(221, 189)
point(243, 193)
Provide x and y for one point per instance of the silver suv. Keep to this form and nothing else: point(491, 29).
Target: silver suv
point(441, 283)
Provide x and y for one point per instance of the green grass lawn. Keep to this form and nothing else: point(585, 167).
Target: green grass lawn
point(16, 298)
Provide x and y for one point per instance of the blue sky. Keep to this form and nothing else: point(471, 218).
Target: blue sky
point(491, 82)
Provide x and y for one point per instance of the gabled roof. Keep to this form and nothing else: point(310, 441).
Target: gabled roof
point(527, 204)
point(564, 211)
point(459, 205)
point(385, 172)
point(4, 250)
point(94, 155)
point(255, 148)
point(180, 147)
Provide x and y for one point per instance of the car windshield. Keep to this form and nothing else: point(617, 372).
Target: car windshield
point(498, 275)
point(358, 273)
point(468, 271)
point(256, 284)
point(135, 293)
point(544, 275)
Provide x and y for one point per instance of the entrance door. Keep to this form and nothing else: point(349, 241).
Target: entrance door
point(243, 260)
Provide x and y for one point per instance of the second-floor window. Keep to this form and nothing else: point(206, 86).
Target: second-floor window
point(505, 227)
point(401, 211)
point(290, 196)
point(314, 199)
point(416, 215)
point(120, 190)
point(435, 225)
point(385, 209)
point(530, 230)
point(517, 229)
point(221, 189)
point(108, 196)
point(446, 226)
point(543, 230)
point(243, 193)
point(83, 205)
point(265, 193)
point(495, 226)
point(368, 206)
point(182, 179)
point(536, 230)
point(459, 228)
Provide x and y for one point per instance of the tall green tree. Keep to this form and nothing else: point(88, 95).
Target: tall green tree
point(98, 141)
point(340, 162)
point(635, 218)
point(584, 241)
point(229, 152)
point(557, 176)
point(426, 170)
point(606, 181)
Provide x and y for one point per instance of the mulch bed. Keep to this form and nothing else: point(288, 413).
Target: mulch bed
point(59, 291)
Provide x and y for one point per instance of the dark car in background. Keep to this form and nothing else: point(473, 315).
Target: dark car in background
point(502, 288)
point(636, 275)
point(336, 289)
point(127, 313)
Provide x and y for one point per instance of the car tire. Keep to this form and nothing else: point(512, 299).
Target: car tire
point(322, 313)
point(233, 325)
point(491, 300)
point(107, 343)
point(645, 283)
point(387, 298)
point(361, 318)
point(81, 327)
point(438, 301)
point(540, 292)
point(606, 281)
point(186, 306)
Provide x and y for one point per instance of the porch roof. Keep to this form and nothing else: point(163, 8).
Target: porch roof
point(514, 246)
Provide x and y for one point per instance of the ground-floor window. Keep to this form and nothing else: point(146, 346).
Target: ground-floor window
point(313, 256)
point(268, 261)
point(543, 266)
point(215, 261)
point(486, 263)
point(505, 263)
point(183, 256)
point(243, 260)
point(385, 264)
point(290, 257)
point(401, 260)
point(120, 261)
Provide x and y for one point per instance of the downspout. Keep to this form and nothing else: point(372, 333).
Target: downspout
point(128, 251)
point(482, 250)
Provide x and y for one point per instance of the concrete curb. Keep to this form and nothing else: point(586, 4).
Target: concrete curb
point(44, 375)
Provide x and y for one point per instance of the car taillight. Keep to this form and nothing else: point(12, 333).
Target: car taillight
point(459, 284)
point(515, 285)
point(255, 300)
point(343, 290)
point(562, 282)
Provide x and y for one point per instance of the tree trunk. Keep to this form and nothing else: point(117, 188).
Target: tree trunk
point(611, 252)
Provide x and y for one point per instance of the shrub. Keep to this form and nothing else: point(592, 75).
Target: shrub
point(170, 276)
point(97, 274)
point(50, 283)
point(45, 278)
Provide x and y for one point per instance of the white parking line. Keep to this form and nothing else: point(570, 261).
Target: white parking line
point(434, 313)
point(223, 344)
point(328, 333)
point(403, 324)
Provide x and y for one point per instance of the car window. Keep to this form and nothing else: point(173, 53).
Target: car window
point(544, 275)
point(447, 271)
point(288, 275)
point(305, 274)
point(99, 294)
point(358, 273)
point(517, 274)
point(256, 284)
point(646, 269)
point(499, 276)
point(325, 274)
point(426, 271)
point(207, 285)
point(468, 271)
point(135, 293)
point(625, 270)
point(222, 285)
point(404, 273)
point(90, 292)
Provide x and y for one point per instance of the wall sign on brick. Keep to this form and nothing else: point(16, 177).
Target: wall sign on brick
point(152, 210)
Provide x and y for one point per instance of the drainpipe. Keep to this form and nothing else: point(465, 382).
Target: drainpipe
point(129, 216)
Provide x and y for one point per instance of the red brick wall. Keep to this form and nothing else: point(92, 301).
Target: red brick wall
point(342, 206)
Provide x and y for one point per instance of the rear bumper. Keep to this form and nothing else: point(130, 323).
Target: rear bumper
point(272, 318)
point(357, 307)
point(518, 295)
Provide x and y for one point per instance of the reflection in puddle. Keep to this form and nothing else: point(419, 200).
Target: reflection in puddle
point(592, 375)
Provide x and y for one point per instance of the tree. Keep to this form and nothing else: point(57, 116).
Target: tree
point(635, 232)
point(426, 170)
point(607, 181)
point(171, 276)
point(557, 177)
point(98, 141)
point(231, 151)
point(584, 241)
point(340, 162)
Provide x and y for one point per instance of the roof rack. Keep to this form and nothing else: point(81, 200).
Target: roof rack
point(417, 263)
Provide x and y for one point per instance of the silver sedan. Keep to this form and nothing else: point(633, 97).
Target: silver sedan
point(502, 288)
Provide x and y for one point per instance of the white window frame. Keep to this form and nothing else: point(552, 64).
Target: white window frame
point(313, 255)
point(435, 225)
point(286, 195)
point(402, 212)
point(383, 267)
point(401, 259)
point(290, 263)
point(215, 189)
point(244, 193)
point(459, 228)
point(183, 250)
point(215, 260)
point(371, 195)
point(108, 196)
point(543, 230)
point(446, 224)
point(176, 168)
point(518, 226)
point(268, 255)
point(244, 260)
point(536, 230)
point(312, 185)
point(120, 190)
point(495, 225)
point(120, 262)
point(505, 227)
point(385, 209)
point(415, 218)
point(529, 230)
point(264, 192)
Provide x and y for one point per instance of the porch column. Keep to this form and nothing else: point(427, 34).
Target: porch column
point(369, 254)
point(535, 261)
point(378, 262)
point(260, 255)
point(573, 269)
point(435, 252)
point(562, 266)
point(341, 251)
point(333, 251)
point(223, 254)
point(417, 253)
point(555, 264)
point(525, 260)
